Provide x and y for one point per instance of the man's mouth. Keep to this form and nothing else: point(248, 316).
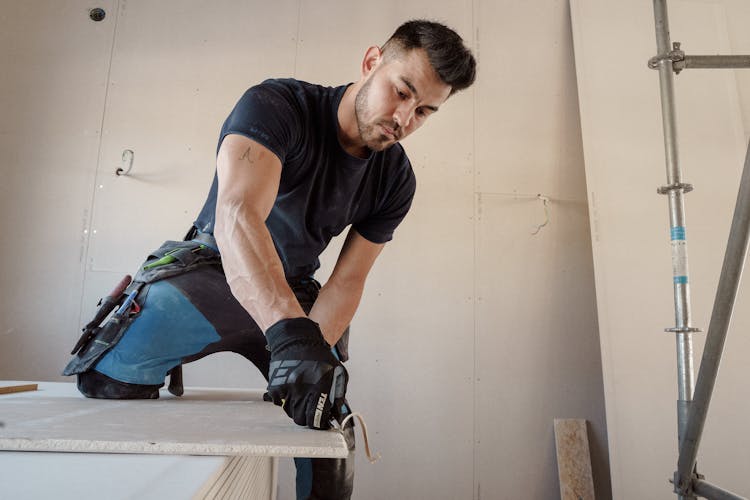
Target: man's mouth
point(389, 132)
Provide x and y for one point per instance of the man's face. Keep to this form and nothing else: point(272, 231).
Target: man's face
point(396, 98)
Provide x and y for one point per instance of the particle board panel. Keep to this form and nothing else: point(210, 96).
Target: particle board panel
point(573, 460)
point(202, 422)
point(624, 154)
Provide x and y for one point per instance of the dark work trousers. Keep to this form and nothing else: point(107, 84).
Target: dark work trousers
point(184, 318)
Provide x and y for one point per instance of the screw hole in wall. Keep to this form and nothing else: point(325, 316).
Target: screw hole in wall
point(97, 14)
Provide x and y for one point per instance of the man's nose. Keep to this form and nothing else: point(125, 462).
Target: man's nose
point(403, 115)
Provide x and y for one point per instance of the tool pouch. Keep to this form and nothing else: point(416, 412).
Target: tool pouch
point(104, 337)
point(186, 256)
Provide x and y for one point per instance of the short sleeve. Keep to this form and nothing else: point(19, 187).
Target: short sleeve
point(269, 114)
point(380, 225)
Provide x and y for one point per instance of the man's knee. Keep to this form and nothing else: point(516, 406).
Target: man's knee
point(333, 478)
point(93, 384)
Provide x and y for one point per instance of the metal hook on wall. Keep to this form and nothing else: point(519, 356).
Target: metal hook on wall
point(545, 201)
point(127, 162)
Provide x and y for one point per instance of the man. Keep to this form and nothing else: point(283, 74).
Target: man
point(296, 164)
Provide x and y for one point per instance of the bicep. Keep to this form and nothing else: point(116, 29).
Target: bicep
point(248, 175)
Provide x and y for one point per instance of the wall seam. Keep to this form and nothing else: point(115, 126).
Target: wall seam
point(297, 36)
point(92, 202)
point(476, 492)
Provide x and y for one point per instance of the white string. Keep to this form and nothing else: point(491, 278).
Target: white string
point(372, 458)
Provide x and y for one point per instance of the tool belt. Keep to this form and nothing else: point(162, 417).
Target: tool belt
point(171, 259)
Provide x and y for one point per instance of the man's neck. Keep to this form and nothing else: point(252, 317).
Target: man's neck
point(348, 130)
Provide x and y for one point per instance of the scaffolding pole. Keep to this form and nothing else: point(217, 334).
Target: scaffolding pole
point(692, 408)
point(721, 316)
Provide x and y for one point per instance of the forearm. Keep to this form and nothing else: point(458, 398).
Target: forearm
point(252, 266)
point(335, 308)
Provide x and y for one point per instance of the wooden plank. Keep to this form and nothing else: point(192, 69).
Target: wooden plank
point(10, 389)
point(573, 460)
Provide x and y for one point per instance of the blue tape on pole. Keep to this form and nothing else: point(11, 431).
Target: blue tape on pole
point(681, 280)
point(678, 233)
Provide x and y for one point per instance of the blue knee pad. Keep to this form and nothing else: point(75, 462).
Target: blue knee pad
point(168, 329)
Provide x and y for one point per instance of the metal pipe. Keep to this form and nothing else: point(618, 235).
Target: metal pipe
point(675, 190)
point(684, 373)
point(666, 83)
point(713, 62)
point(713, 492)
point(721, 316)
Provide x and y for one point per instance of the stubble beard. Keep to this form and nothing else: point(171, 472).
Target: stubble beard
point(369, 133)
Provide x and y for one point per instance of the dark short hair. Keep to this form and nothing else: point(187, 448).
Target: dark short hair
point(448, 56)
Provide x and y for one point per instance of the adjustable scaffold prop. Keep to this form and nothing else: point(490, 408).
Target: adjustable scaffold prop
point(692, 405)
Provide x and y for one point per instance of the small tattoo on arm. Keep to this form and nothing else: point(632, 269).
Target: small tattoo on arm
point(246, 155)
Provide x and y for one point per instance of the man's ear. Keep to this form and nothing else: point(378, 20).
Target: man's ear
point(373, 57)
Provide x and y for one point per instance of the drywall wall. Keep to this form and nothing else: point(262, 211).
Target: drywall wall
point(477, 327)
point(624, 152)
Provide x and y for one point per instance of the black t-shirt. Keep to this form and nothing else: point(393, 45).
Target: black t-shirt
point(323, 189)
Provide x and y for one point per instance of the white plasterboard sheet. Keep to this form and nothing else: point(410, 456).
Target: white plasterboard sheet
point(80, 476)
point(202, 422)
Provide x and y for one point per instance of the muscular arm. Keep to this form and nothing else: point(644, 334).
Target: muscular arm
point(339, 298)
point(249, 176)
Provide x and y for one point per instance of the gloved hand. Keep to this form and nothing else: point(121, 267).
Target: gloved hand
point(305, 378)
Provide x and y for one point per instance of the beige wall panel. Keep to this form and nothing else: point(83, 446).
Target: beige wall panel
point(537, 352)
point(738, 11)
point(450, 420)
point(54, 63)
point(412, 354)
point(528, 133)
point(624, 164)
point(178, 69)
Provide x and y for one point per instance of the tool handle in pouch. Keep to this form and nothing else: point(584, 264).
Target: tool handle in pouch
point(169, 257)
point(106, 306)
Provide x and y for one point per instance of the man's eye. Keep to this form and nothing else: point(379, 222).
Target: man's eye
point(401, 94)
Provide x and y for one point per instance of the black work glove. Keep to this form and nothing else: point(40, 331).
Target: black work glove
point(305, 378)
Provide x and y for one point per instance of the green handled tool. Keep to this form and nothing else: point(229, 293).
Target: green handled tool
point(169, 258)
